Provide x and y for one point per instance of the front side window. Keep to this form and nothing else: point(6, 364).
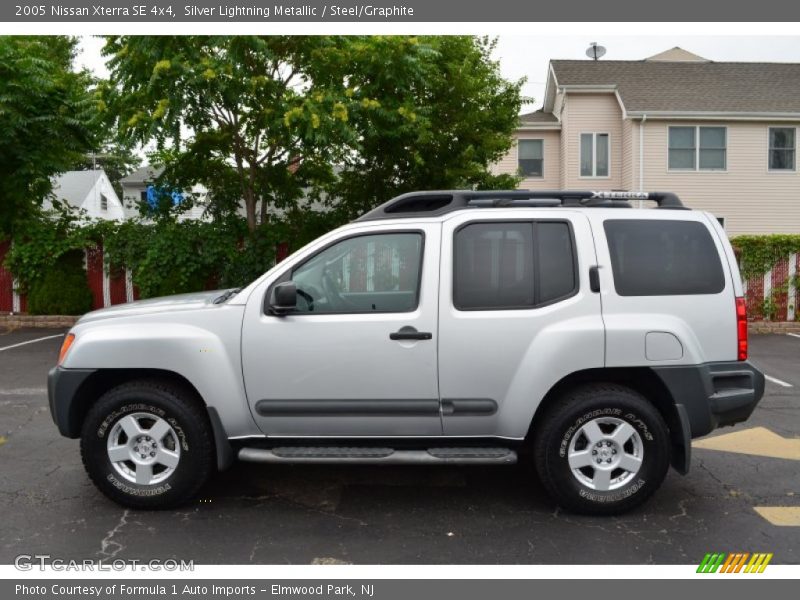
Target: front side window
point(782, 148)
point(531, 158)
point(512, 265)
point(362, 274)
point(697, 148)
point(594, 155)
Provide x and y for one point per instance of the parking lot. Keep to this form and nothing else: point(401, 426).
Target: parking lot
point(739, 488)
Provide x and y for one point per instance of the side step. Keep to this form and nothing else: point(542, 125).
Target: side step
point(386, 456)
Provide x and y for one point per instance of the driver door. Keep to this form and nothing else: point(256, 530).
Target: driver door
point(337, 366)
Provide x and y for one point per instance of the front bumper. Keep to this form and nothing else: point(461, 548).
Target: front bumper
point(63, 387)
point(714, 394)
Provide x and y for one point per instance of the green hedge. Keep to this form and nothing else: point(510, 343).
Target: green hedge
point(759, 253)
point(62, 289)
point(164, 257)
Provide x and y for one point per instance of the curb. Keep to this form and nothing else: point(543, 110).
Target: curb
point(782, 327)
point(37, 321)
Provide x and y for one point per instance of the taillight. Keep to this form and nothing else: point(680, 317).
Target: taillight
point(65, 347)
point(741, 329)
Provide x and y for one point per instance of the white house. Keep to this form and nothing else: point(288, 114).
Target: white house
point(88, 190)
point(136, 184)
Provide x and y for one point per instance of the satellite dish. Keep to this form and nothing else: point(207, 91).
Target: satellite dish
point(594, 51)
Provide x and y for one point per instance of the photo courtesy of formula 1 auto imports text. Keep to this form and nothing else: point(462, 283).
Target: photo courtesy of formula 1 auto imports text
point(311, 300)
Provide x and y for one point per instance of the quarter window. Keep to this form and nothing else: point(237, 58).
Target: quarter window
point(512, 265)
point(362, 274)
point(530, 158)
point(698, 148)
point(663, 258)
point(594, 155)
point(782, 148)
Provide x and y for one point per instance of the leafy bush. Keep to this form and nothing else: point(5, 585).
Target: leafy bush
point(62, 290)
point(759, 253)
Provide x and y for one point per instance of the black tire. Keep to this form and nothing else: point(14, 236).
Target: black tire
point(190, 424)
point(563, 421)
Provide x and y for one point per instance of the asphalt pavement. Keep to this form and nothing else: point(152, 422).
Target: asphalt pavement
point(277, 514)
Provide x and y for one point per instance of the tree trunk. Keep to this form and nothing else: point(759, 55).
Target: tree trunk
point(250, 207)
point(263, 210)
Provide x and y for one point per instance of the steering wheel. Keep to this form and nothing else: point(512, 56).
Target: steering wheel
point(332, 293)
point(308, 298)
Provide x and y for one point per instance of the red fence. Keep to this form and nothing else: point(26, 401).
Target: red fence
point(107, 289)
point(774, 296)
point(6, 281)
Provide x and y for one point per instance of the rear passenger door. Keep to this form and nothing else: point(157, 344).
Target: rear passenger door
point(515, 315)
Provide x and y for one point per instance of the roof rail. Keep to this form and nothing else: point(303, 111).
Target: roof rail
point(435, 203)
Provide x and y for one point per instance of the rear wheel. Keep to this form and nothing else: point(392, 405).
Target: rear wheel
point(601, 449)
point(147, 444)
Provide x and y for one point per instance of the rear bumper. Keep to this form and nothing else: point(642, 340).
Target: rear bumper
point(62, 394)
point(714, 394)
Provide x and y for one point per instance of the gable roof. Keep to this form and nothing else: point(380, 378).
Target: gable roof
point(677, 54)
point(689, 86)
point(145, 174)
point(73, 186)
point(539, 119)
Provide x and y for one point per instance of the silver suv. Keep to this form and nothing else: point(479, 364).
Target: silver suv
point(452, 327)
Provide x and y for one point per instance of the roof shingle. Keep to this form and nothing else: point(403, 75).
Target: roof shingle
point(537, 117)
point(691, 86)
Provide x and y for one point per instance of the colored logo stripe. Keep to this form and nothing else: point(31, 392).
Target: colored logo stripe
point(734, 562)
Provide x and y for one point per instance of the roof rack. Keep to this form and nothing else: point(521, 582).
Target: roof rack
point(435, 203)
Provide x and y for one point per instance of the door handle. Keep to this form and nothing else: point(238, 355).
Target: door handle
point(409, 333)
point(594, 279)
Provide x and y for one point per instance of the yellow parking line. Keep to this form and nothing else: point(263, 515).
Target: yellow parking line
point(781, 516)
point(757, 441)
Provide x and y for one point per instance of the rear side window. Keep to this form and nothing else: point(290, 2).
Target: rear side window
point(663, 258)
point(512, 265)
point(556, 262)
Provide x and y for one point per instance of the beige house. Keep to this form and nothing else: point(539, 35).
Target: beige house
point(722, 135)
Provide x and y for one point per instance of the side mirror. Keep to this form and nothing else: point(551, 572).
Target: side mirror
point(283, 299)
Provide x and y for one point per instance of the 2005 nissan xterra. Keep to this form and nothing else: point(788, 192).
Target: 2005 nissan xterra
point(452, 327)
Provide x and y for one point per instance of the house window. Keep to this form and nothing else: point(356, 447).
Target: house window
point(782, 148)
point(103, 202)
point(530, 158)
point(594, 155)
point(698, 148)
point(143, 196)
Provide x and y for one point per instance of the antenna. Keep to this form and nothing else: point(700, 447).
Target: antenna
point(594, 51)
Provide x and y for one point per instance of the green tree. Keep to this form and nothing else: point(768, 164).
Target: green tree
point(435, 114)
point(47, 120)
point(263, 117)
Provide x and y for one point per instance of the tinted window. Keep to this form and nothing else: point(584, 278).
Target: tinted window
point(494, 266)
point(512, 265)
point(556, 261)
point(663, 258)
point(367, 273)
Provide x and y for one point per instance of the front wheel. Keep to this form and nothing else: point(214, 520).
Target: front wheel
point(147, 444)
point(601, 449)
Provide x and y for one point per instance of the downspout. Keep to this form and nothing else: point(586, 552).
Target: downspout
point(641, 155)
